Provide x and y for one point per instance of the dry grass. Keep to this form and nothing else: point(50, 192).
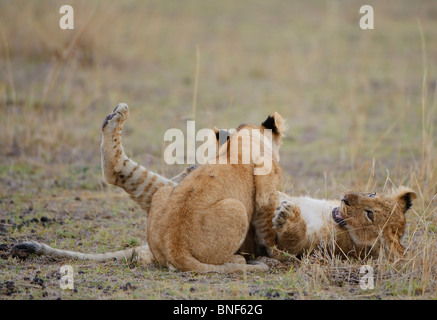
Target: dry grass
point(361, 107)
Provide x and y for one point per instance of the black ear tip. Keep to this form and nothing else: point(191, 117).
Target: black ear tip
point(270, 123)
point(407, 198)
point(222, 136)
point(408, 202)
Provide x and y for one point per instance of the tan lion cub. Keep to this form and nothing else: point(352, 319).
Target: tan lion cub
point(361, 224)
point(200, 224)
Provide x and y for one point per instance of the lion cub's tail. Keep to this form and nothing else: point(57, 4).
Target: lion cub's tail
point(142, 254)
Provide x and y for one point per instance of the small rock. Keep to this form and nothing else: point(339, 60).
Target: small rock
point(128, 287)
point(38, 281)
point(10, 285)
point(45, 219)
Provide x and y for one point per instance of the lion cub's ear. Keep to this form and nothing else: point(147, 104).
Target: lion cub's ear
point(405, 196)
point(217, 132)
point(221, 135)
point(276, 123)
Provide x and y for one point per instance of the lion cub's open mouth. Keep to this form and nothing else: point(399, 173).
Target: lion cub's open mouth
point(338, 218)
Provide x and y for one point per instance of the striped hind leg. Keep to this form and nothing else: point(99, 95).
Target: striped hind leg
point(121, 171)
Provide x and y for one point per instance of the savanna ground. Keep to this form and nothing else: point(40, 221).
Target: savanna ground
point(361, 106)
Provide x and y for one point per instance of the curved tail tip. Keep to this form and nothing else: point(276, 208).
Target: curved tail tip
point(23, 250)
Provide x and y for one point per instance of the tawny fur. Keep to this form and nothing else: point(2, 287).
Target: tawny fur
point(304, 224)
point(202, 222)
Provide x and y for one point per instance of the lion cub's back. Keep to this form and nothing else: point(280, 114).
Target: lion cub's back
point(213, 182)
point(190, 218)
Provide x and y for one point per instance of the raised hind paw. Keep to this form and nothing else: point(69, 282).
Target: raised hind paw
point(285, 211)
point(117, 117)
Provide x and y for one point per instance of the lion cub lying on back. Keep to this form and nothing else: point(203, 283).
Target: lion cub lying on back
point(202, 222)
point(361, 224)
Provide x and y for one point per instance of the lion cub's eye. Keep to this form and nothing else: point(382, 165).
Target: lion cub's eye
point(372, 195)
point(369, 215)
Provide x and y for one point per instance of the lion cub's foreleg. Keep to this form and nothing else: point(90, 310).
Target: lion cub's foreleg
point(291, 228)
point(266, 200)
point(121, 171)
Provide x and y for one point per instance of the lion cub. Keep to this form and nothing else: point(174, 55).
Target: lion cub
point(201, 223)
point(361, 224)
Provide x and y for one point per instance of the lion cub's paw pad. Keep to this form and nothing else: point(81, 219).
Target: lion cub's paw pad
point(122, 108)
point(120, 114)
point(286, 210)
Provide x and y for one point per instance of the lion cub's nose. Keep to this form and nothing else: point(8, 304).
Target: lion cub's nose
point(349, 199)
